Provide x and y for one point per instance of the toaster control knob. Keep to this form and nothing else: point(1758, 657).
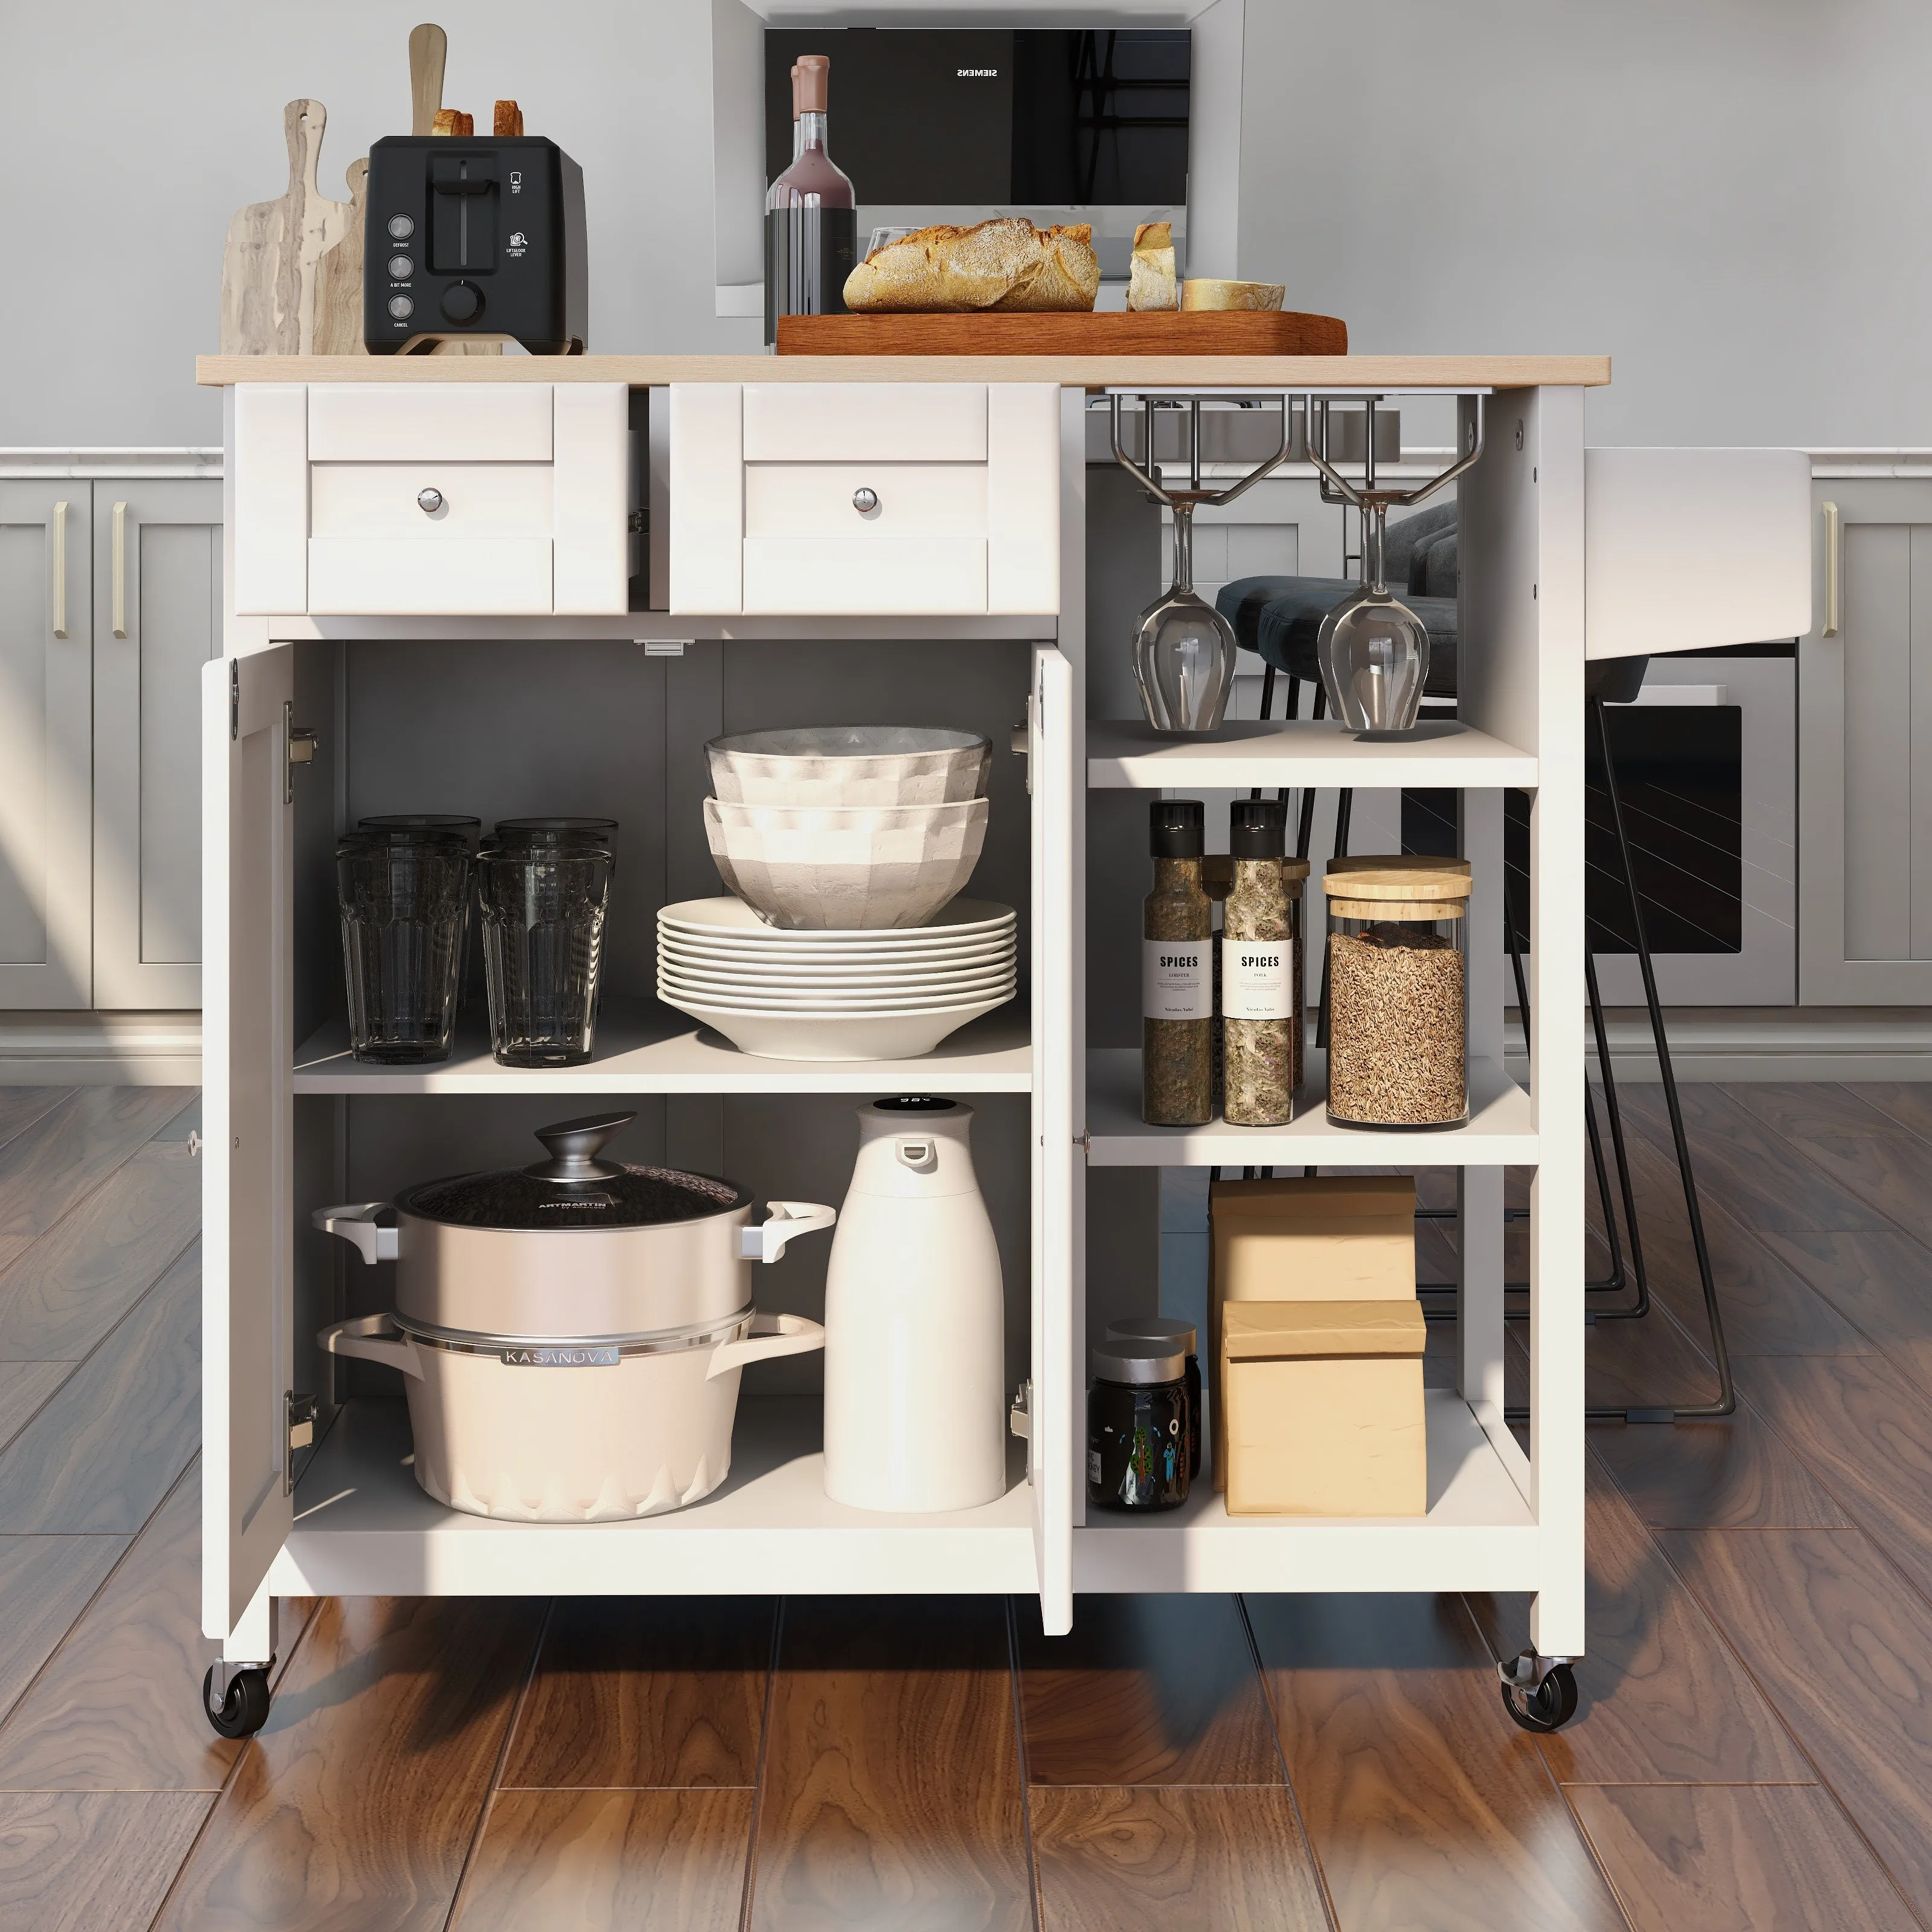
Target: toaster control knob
point(462, 302)
point(401, 307)
point(401, 267)
point(400, 228)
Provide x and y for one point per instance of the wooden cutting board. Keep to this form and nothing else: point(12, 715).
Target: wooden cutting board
point(269, 266)
point(1154, 332)
point(338, 278)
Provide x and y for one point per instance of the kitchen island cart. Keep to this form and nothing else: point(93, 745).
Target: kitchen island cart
point(626, 556)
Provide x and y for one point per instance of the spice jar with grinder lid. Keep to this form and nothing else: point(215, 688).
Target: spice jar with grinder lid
point(1261, 976)
point(1177, 978)
point(1398, 1021)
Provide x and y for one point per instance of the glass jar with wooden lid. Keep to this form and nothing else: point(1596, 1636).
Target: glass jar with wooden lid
point(1398, 1013)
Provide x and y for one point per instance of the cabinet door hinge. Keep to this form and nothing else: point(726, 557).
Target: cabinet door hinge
point(234, 698)
point(298, 1411)
point(301, 743)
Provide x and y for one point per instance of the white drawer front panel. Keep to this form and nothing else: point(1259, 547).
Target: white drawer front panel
point(797, 500)
point(864, 422)
point(920, 576)
point(382, 499)
point(470, 576)
point(452, 422)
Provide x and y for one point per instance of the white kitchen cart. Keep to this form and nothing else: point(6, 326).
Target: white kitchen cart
point(378, 649)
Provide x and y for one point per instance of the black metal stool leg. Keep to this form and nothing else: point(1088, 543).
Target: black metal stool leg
point(1641, 1306)
point(1727, 1398)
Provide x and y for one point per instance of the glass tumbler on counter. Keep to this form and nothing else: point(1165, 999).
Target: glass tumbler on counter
point(404, 893)
point(546, 887)
point(1398, 1012)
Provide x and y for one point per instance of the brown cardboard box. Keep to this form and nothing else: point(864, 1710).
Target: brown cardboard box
point(1347, 1238)
point(1325, 1409)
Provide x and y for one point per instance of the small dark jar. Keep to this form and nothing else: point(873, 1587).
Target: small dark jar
point(1138, 1429)
point(1162, 1331)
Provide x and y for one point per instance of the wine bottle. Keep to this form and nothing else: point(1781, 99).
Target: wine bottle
point(811, 216)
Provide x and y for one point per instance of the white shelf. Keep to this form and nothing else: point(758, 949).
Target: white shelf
point(363, 1528)
point(1479, 1533)
point(656, 1049)
point(1501, 1131)
point(1300, 752)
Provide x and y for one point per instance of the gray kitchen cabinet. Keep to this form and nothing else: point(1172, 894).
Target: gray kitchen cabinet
point(46, 684)
point(1864, 748)
point(157, 621)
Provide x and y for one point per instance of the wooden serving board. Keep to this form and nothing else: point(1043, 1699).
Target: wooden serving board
point(1153, 332)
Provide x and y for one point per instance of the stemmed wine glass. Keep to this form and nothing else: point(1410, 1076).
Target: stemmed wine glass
point(1374, 651)
point(1184, 649)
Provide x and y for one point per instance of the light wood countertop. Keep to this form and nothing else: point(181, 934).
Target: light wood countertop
point(1081, 372)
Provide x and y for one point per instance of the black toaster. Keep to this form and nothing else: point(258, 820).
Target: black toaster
point(470, 238)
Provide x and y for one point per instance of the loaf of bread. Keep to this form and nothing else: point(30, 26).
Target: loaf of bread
point(1205, 294)
point(1151, 283)
point(1006, 264)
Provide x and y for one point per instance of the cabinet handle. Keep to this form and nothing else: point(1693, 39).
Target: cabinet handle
point(429, 501)
point(60, 570)
point(864, 501)
point(120, 570)
point(1834, 564)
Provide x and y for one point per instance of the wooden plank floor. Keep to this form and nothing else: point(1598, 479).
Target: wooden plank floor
point(1754, 1749)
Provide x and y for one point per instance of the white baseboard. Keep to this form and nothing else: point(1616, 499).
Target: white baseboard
point(100, 1049)
point(1763, 1043)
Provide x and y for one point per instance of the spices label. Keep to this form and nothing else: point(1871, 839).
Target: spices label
point(1176, 983)
point(1257, 978)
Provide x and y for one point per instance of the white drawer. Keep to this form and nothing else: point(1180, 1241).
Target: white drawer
point(763, 478)
point(796, 500)
point(865, 422)
point(534, 483)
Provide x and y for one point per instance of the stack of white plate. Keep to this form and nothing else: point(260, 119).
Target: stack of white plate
point(866, 994)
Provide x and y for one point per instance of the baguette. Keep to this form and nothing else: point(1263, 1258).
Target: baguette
point(1004, 265)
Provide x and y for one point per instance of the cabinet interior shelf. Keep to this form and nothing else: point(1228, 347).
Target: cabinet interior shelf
point(1479, 1533)
point(649, 1048)
point(1441, 755)
point(363, 1527)
point(1500, 1132)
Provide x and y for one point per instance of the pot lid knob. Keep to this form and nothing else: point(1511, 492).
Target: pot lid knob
point(574, 1148)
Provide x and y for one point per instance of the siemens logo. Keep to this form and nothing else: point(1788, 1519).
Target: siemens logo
point(978, 74)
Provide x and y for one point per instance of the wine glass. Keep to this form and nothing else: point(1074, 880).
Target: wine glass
point(1373, 650)
point(1184, 649)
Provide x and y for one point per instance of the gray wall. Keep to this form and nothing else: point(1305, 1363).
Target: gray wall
point(1725, 196)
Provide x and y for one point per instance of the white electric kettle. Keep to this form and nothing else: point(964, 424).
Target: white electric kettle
point(915, 1320)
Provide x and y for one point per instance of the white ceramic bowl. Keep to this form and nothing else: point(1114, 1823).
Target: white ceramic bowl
point(849, 764)
point(836, 1035)
point(862, 868)
point(732, 922)
point(843, 966)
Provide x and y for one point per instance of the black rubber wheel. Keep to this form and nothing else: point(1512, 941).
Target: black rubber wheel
point(1549, 1706)
point(245, 1710)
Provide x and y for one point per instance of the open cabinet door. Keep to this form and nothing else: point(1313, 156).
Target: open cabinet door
point(1058, 1117)
point(247, 1185)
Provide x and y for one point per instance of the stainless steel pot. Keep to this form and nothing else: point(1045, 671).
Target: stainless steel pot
point(574, 1246)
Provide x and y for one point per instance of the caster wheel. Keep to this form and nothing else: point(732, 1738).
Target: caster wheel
point(1549, 1706)
point(245, 1710)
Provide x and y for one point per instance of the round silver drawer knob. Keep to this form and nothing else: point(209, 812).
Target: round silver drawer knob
point(864, 501)
point(429, 501)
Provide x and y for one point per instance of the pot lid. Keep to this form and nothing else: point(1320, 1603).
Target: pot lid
point(575, 1188)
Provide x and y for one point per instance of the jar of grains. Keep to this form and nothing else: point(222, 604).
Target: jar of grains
point(1398, 939)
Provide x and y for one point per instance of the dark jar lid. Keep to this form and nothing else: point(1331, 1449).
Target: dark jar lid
point(1137, 1363)
point(575, 1188)
point(1176, 828)
point(554, 831)
point(1145, 1328)
point(1257, 829)
point(410, 825)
